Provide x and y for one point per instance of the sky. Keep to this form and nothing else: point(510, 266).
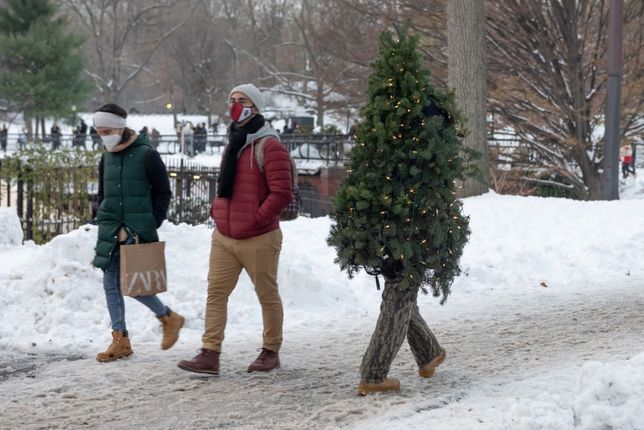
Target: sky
point(543, 330)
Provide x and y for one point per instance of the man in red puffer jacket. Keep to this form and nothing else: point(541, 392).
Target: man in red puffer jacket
point(247, 234)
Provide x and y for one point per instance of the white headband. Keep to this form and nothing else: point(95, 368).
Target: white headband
point(108, 120)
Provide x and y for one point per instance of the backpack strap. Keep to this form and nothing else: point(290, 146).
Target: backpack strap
point(259, 156)
point(259, 153)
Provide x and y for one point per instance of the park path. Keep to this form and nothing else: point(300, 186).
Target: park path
point(316, 386)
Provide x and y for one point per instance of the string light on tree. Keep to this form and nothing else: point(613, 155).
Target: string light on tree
point(412, 160)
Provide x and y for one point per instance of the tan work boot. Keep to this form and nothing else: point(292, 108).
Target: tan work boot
point(120, 347)
point(389, 384)
point(428, 370)
point(171, 323)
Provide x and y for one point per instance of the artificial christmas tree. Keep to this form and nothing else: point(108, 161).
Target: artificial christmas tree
point(397, 214)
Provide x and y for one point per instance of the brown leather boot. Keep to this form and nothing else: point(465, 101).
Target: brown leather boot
point(207, 361)
point(427, 370)
point(171, 323)
point(389, 384)
point(120, 347)
point(267, 361)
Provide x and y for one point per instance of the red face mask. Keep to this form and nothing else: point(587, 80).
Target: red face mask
point(239, 112)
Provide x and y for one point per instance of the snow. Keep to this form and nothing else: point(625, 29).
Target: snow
point(633, 187)
point(543, 331)
point(10, 228)
point(611, 396)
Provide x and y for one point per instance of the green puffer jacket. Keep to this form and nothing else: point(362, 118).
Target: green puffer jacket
point(126, 201)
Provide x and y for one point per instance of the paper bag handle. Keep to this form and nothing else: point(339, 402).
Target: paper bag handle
point(134, 235)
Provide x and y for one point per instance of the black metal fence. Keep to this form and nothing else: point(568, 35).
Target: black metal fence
point(312, 203)
point(193, 189)
point(328, 149)
point(47, 211)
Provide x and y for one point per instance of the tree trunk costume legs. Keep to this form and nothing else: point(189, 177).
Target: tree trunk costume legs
point(422, 342)
point(399, 317)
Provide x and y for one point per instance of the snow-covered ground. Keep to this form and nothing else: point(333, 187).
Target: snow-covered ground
point(543, 331)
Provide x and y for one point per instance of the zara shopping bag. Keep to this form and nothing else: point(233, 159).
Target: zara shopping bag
point(143, 269)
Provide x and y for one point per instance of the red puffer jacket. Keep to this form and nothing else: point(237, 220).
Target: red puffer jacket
point(258, 198)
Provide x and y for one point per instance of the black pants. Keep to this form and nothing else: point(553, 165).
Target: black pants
point(627, 168)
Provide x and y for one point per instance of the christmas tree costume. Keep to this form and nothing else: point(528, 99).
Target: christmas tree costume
point(397, 214)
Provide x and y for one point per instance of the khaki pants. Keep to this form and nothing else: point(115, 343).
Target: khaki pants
point(259, 257)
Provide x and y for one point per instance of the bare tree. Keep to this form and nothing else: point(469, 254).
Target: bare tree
point(467, 76)
point(549, 61)
point(202, 63)
point(353, 48)
point(428, 19)
point(301, 63)
point(124, 36)
point(313, 51)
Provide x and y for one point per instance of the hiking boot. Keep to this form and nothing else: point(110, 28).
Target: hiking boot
point(427, 370)
point(389, 384)
point(267, 361)
point(207, 361)
point(120, 347)
point(171, 323)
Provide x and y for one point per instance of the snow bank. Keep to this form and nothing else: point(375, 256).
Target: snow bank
point(52, 297)
point(521, 247)
point(49, 294)
point(605, 395)
point(593, 396)
point(528, 244)
point(10, 229)
point(528, 258)
point(611, 395)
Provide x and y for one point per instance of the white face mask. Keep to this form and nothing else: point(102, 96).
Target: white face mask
point(111, 141)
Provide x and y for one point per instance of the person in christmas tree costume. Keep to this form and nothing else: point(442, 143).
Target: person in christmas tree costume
point(397, 214)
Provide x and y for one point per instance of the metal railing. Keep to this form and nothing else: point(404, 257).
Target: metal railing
point(45, 215)
point(193, 188)
point(325, 148)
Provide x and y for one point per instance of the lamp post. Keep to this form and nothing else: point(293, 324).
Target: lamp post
point(610, 186)
point(170, 107)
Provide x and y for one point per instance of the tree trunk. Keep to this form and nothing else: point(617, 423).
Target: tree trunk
point(594, 183)
point(399, 317)
point(28, 125)
point(466, 74)
point(319, 101)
